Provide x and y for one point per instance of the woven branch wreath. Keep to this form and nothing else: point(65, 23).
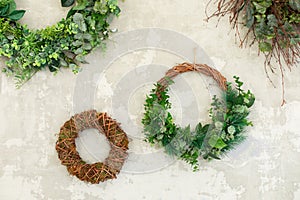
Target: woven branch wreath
point(67, 153)
point(228, 114)
point(273, 24)
point(63, 45)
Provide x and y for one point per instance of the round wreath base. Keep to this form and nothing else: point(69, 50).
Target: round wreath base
point(188, 67)
point(209, 141)
point(96, 172)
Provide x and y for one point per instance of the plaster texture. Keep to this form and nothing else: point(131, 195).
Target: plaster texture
point(151, 38)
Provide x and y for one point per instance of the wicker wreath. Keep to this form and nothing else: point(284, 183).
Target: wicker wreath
point(96, 172)
point(229, 116)
point(188, 67)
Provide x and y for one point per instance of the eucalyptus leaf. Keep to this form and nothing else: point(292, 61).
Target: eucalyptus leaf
point(16, 15)
point(87, 36)
point(249, 16)
point(87, 46)
point(79, 20)
point(78, 36)
point(265, 47)
point(295, 4)
point(272, 20)
point(100, 6)
point(78, 51)
point(63, 63)
point(81, 59)
point(77, 43)
point(67, 3)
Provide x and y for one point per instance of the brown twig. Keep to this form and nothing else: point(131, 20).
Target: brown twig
point(188, 67)
point(96, 172)
point(290, 54)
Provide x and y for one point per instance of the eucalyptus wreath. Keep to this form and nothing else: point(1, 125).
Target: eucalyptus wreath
point(273, 24)
point(64, 44)
point(229, 117)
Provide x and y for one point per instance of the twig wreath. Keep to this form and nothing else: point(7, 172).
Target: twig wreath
point(210, 141)
point(96, 172)
point(62, 45)
point(273, 24)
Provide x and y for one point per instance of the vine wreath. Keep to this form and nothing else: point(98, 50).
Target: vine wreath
point(96, 172)
point(273, 24)
point(210, 141)
point(64, 44)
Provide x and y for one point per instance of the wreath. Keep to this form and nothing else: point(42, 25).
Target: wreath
point(67, 153)
point(273, 24)
point(210, 141)
point(64, 44)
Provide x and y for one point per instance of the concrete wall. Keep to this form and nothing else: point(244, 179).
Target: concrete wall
point(265, 166)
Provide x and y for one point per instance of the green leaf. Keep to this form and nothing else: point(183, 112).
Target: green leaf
point(259, 8)
point(77, 43)
point(272, 21)
point(78, 36)
point(81, 59)
point(295, 41)
point(12, 7)
point(67, 3)
point(87, 46)
point(295, 4)
point(71, 13)
point(87, 36)
point(16, 15)
point(3, 10)
point(81, 5)
point(54, 66)
point(4, 2)
point(216, 142)
point(249, 16)
point(265, 47)
point(213, 156)
point(78, 51)
point(63, 63)
point(79, 20)
point(101, 7)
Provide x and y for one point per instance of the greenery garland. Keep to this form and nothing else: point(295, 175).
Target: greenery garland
point(273, 24)
point(209, 141)
point(62, 45)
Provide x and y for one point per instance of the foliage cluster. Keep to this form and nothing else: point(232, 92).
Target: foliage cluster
point(64, 44)
point(209, 141)
point(275, 25)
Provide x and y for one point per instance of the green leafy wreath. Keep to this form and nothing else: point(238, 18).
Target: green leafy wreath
point(62, 45)
point(229, 117)
point(273, 24)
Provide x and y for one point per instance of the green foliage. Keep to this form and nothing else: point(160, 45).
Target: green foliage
point(67, 3)
point(64, 44)
point(4, 2)
point(8, 11)
point(274, 22)
point(210, 141)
